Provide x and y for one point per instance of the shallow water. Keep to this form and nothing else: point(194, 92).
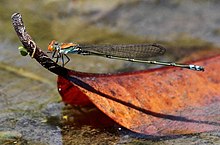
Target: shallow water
point(31, 110)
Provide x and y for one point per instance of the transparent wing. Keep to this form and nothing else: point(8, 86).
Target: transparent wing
point(132, 51)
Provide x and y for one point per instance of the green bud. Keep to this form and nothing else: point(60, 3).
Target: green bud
point(22, 50)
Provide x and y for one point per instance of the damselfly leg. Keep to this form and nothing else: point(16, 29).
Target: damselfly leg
point(55, 54)
point(62, 56)
point(63, 61)
point(58, 56)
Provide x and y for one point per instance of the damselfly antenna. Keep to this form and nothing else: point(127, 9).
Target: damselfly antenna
point(129, 52)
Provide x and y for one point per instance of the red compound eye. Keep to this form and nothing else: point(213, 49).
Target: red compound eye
point(51, 45)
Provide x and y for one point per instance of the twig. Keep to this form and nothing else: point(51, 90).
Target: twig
point(34, 51)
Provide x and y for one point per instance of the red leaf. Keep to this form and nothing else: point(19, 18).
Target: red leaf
point(71, 94)
point(165, 101)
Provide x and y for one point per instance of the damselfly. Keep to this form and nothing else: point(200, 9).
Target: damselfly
point(128, 52)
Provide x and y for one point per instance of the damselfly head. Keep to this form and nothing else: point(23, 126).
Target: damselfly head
point(52, 45)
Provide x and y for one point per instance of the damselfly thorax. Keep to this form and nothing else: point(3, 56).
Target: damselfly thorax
point(60, 50)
